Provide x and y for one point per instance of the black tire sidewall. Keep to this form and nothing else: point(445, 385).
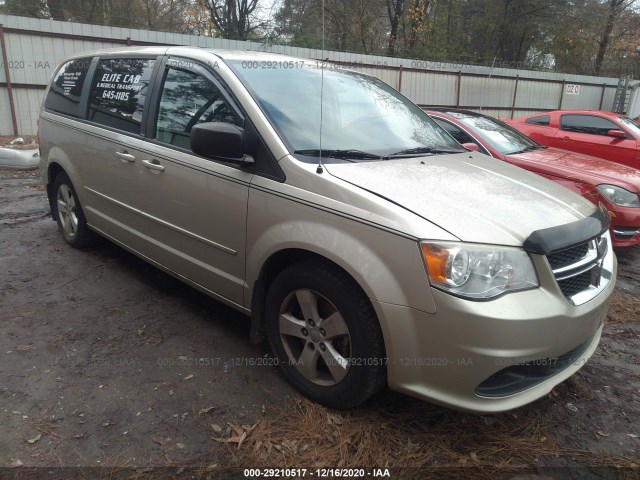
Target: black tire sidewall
point(83, 237)
point(364, 376)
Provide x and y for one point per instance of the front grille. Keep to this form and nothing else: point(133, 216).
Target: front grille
point(568, 256)
point(572, 285)
point(578, 268)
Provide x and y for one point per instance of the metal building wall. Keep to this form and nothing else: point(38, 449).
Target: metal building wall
point(35, 47)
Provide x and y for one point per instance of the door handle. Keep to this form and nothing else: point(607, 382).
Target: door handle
point(566, 139)
point(125, 156)
point(153, 165)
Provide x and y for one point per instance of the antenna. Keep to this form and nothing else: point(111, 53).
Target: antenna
point(320, 168)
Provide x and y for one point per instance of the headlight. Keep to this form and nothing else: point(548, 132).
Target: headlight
point(619, 196)
point(478, 272)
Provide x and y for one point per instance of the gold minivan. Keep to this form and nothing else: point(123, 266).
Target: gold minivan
point(364, 242)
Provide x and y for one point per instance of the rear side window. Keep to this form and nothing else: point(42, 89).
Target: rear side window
point(587, 124)
point(118, 92)
point(66, 88)
point(541, 120)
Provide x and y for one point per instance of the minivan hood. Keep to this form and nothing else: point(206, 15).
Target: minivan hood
point(576, 166)
point(474, 197)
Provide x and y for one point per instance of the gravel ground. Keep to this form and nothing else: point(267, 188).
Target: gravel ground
point(108, 361)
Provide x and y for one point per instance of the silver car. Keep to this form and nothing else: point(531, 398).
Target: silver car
point(365, 244)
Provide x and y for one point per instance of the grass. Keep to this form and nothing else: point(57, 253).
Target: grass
point(412, 438)
point(623, 309)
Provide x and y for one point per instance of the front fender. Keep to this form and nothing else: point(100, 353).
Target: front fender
point(387, 266)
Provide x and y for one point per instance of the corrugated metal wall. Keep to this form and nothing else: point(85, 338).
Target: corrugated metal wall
point(35, 47)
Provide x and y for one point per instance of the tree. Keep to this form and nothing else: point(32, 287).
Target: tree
point(615, 10)
point(26, 8)
point(395, 9)
point(234, 19)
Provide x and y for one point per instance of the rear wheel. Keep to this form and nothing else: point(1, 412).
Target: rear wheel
point(69, 215)
point(325, 334)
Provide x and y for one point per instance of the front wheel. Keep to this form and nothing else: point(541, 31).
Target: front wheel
point(325, 334)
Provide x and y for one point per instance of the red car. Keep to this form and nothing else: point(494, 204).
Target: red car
point(616, 186)
point(607, 135)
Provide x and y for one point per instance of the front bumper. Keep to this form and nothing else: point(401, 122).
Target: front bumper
point(444, 357)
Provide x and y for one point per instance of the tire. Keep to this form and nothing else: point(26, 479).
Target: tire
point(337, 356)
point(68, 213)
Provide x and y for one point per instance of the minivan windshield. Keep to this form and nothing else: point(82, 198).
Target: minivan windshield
point(363, 118)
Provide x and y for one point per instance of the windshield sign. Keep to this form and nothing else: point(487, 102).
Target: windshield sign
point(362, 118)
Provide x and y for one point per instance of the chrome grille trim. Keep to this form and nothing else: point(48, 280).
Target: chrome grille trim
point(598, 260)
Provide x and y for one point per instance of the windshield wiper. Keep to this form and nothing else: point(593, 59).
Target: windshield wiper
point(342, 154)
point(422, 151)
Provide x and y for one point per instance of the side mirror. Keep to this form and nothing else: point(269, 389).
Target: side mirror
point(471, 146)
point(616, 134)
point(219, 140)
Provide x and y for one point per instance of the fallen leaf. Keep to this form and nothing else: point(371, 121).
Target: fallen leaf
point(411, 446)
point(106, 424)
point(336, 420)
point(207, 410)
point(243, 437)
point(157, 440)
point(170, 392)
point(602, 434)
point(236, 429)
point(79, 435)
point(474, 456)
point(34, 439)
point(216, 428)
point(23, 348)
point(181, 446)
point(633, 435)
point(16, 462)
point(188, 377)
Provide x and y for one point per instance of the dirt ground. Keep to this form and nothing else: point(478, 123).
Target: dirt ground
point(108, 362)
